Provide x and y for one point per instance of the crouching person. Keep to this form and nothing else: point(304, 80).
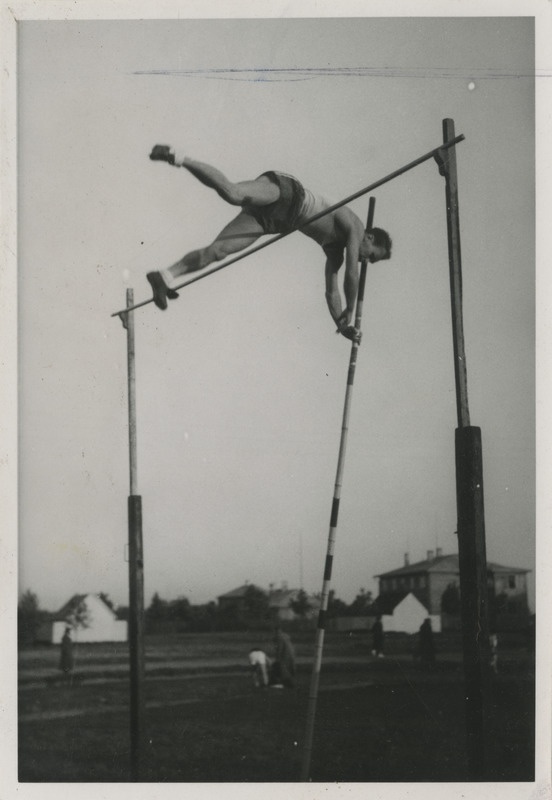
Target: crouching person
point(260, 664)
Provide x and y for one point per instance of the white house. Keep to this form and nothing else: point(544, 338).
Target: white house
point(408, 615)
point(90, 618)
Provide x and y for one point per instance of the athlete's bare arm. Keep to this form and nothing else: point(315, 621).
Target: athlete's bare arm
point(342, 318)
point(351, 232)
point(333, 296)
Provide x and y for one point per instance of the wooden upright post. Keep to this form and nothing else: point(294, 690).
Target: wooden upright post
point(469, 497)
point(135, 567)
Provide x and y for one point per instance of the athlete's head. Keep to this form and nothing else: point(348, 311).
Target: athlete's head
point(376, 245)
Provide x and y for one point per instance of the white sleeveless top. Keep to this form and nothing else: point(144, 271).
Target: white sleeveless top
point(313, 204)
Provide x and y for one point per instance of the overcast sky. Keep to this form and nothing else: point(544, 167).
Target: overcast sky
point(240, 384)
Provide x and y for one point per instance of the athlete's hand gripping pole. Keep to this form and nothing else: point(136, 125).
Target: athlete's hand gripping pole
point(363, 271)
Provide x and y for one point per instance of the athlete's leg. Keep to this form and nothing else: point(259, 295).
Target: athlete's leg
point(260, 191)
point(237, 235)
point(242, 231)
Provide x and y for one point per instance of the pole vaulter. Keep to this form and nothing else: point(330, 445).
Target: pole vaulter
point(431, 154)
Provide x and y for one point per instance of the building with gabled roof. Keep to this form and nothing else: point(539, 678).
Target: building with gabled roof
point(279, 601)
point(405, 615)
point(90, 619)
point(236, 597)
point(427, 580)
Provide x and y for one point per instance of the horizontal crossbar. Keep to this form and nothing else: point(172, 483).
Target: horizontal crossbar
point(371, 187)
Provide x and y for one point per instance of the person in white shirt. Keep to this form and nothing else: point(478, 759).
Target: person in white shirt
point(260, 664)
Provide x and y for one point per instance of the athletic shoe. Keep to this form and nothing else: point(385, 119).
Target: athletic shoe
point(162, 152)
point(160, 290)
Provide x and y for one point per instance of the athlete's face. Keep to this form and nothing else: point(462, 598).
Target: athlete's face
point(371, 251)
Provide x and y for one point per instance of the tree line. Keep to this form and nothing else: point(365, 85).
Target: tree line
point(253, 612)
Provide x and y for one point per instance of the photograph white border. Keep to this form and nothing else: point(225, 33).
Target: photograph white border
point(11, 15)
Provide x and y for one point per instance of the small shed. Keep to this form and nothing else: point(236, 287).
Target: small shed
point(90, 618)
point(407, 616)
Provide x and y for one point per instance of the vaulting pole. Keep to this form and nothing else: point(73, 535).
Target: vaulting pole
point(135, 567)
point(469, 497)
point(432, 154)
point(319, 642)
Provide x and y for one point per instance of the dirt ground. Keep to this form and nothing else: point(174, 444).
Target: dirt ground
point(388, 720)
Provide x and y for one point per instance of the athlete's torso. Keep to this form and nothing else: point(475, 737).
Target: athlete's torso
point(333, 230)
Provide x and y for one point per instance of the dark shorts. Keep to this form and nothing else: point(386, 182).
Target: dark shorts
point(281, 216)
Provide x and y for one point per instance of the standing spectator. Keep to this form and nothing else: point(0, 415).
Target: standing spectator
point(66, 659)
point(260, 664)
point(493, 641)
point(427, 648)
point(378, 638)
point(283, 668)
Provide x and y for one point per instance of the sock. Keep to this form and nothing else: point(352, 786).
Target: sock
point(179, 157)
point(167, 277)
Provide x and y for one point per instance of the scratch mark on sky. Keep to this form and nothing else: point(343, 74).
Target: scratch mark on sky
point(265, 74)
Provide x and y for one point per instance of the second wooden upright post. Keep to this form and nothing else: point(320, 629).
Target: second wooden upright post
point(135, 569)
point(469, 497)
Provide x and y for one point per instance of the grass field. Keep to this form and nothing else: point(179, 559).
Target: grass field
point(377, 720)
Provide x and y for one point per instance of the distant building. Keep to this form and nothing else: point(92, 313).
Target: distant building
point(426, 581)
point(90, 618)
point(405, 615)
point(236, 598)
point(279, 601)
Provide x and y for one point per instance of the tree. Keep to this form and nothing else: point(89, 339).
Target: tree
point(503, 604)
point(230, 618)
point(256, 607)
point(450, 600)
point(158, 609)
point(29, 617)
point(179, 612)
point(336, 607)
point(79, 617)
point(301, 605)
point(157, 615)
point(362, 604)
point(203, 617)
point(179, 608)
